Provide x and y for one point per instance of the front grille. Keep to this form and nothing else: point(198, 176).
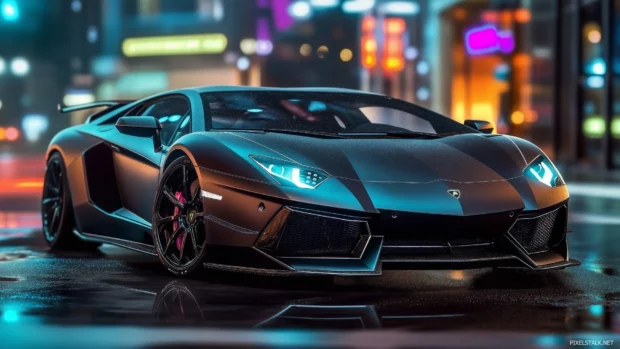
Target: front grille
point(306, 234)
point(536, 234)
point(418, 229)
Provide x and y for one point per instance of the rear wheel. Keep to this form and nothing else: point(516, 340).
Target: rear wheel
point(57, 209)
point(179, 232)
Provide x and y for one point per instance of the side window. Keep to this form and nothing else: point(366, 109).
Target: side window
point(183, 129)
point(171, 113)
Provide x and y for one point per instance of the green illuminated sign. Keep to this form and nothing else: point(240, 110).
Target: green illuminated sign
point(594, 127)
point(175, 45)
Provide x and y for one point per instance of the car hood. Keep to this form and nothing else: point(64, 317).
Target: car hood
point(459, 158)
point(389, 174)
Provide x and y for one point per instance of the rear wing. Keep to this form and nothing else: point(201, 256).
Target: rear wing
point(67, 109)
point(111, 105)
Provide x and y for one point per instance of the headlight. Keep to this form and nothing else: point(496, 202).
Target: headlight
point(542, 170)
point(290, 174)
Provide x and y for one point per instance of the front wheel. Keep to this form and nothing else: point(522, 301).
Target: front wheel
point(179, 231)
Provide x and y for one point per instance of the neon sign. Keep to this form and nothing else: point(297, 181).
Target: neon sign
point(486, 39)
point(175, 45)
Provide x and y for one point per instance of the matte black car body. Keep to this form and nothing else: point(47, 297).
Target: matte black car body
point(447, 203)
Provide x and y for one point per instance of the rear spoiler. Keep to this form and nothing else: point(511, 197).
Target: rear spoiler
point(111, 105)
point(67, 109)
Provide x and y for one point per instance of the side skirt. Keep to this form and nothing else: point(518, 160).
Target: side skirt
point(131, 245)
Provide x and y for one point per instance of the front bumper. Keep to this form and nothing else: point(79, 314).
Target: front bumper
point(301, 241)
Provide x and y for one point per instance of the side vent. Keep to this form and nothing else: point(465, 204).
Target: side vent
point(101, 178)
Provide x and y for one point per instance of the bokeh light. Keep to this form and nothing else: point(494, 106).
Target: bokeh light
point(517, 117)
point(76, 6)
point(10, 10)
point(305, 50)
point(11, 134)
point(243, 63)
point(346, 55)
point(594, 36)
point(20, 66)
point(300, 10)
point(248, 46)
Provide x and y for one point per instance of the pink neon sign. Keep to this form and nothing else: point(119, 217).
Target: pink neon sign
point(486, 39)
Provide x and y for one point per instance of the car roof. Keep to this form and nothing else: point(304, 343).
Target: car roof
point(226, 88)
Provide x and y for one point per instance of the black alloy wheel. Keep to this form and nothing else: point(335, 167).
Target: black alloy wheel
point(53, 198)
point(179, 230)
point(57, 209)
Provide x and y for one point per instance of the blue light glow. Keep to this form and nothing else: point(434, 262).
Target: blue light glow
point(174, 118)
point(423, 68)
point(300, 10)
point(34, 125)
point(423, 93)
point(543, 171)
point(255, 110)
point(595, 81)
point(291, 338)
point(316, 106)
point(400, 8)
point(10, 315)
point(10, 11)
point(598, 67)
point(76, 5)
point(548, 341)
point(20, 66)
point(324, 3)
point(243, 63)
point(289, 174)
point(92, 34)
point(357, 6)
point(597, 310)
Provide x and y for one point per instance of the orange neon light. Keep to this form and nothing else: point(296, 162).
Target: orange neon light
point(522, 15)
point(394, 26)
point(29, 184)
point(369, 24)
point(369, 52)
point(394, 47)
point(394, 64)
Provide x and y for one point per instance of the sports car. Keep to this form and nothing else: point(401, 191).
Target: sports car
point(301, 181)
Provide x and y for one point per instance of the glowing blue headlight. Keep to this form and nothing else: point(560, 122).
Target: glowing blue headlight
point(291, 174)
point(543, 171)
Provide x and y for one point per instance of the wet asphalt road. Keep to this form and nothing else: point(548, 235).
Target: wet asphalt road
point(119, 299)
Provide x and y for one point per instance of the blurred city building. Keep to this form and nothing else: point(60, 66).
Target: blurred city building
point(544, 70)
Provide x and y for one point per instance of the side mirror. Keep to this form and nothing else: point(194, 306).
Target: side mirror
point(141, 126)
point(480, 125)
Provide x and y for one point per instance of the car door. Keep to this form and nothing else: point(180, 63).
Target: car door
point(137, 161)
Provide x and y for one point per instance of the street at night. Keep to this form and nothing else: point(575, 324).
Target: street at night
point(114, 298)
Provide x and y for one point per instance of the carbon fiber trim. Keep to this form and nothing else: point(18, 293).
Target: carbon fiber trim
point(230, 225)
point(534, 234)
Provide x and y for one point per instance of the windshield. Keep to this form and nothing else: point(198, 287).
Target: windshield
point(324, 113)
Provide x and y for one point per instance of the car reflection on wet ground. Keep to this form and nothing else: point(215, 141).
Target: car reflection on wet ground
point(120, 299)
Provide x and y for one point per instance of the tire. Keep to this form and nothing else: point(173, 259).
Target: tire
point(179, 231)
point(57, 209)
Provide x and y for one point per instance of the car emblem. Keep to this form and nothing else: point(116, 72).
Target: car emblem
point(455, 193)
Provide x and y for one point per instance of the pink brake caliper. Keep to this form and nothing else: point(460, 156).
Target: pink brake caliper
point(175, 225)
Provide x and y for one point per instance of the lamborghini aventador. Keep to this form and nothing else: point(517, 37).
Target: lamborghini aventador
point(301, 181)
